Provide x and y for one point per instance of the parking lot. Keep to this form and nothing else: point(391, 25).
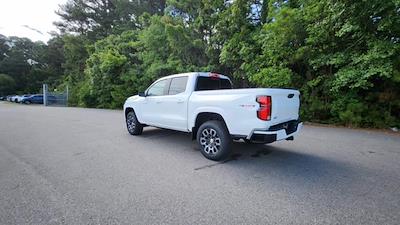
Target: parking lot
point(80, 166)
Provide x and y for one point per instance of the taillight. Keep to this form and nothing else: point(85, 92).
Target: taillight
point(264, 112)
point(214, 76)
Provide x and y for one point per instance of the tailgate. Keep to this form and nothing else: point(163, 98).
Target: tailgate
point(285, 105)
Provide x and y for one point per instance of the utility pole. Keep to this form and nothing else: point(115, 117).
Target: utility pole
point(45, 94)
point(66, 99)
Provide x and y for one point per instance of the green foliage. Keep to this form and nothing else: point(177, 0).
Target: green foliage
point(30, 64)
point(354, 45)
point(109, 63)
point(235, 32)
point(97, 19)
point(7, 84)
point(273, 77)
point(75, 55)
point(122, 65)
point(344, 56)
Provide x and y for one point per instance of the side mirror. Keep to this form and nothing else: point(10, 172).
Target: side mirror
point(142, 94)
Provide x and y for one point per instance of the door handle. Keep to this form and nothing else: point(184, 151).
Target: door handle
point(180, 101)
point(158, 102)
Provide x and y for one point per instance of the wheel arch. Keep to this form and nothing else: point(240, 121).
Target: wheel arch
point(203, 117)
point(128, 109)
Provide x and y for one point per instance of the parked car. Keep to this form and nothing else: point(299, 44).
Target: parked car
point(206, 105)
point(38, 99)
point(33, 99)
point(3, 98)
point(20, 97)
point(14, 98)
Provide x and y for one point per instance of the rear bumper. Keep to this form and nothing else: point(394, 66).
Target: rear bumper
point(277, 132)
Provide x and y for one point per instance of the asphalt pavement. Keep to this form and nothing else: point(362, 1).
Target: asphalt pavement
point(80, 166)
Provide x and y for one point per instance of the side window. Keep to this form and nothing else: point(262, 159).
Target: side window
point(178, 85)
point(158, 88)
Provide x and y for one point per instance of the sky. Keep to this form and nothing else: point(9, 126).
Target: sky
point(29, 18)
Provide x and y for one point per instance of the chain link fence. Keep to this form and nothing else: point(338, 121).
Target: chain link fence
point(55, 97)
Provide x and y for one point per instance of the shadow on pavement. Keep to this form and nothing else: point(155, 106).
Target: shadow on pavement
point(159, 133)
point(289, 161)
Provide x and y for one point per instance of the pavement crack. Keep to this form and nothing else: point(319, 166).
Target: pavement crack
point(209, 166)
point(232, 158)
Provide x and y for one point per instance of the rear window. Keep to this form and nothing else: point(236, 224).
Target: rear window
point(178, 85)
point(212, 83)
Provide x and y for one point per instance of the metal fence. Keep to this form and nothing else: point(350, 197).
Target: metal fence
point(55, 98)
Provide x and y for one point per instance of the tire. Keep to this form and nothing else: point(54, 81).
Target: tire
point(27, 102)
point(132, 124)
point(214, 140)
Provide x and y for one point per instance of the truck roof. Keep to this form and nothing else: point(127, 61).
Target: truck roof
point(196, 74)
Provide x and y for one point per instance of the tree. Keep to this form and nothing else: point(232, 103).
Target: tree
point(281, 56)
point(238, 27)
point(110, 75)
point(4, 47)
point(354, 46)
point(99, 18)
point(75, 56)
point(17, 64)
point(344, 56)
point(7, 85)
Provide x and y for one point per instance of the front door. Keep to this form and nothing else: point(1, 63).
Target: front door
point(152, 106)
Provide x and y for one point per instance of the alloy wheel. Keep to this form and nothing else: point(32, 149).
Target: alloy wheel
point(131, 122)
point(210, 141)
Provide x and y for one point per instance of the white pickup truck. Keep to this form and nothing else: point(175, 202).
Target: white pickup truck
point(206, 105)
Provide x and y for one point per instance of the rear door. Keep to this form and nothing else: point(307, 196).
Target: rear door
point(174, 112)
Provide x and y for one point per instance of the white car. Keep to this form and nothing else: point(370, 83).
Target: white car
point(19, 98)
point(206, 105)
point(14, 98)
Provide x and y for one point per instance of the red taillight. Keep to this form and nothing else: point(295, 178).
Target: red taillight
point(214, 76)
point(264, 112)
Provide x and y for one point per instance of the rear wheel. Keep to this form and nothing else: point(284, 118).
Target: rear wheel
point(132, 124)
point(214, 140)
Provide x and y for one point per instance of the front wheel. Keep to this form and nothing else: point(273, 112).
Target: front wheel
point(214, 140)
point(133, 125)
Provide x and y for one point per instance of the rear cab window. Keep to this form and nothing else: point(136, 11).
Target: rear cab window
point(212, 82)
